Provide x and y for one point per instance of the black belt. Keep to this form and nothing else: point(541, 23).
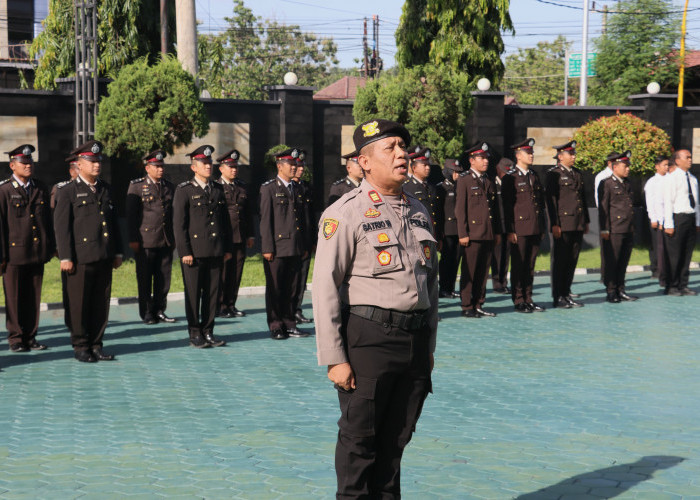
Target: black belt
point(406, 321)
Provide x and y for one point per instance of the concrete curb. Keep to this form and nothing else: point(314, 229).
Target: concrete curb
point(260, 290)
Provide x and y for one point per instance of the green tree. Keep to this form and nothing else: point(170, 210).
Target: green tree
point(464, 35)
point(253, 52)
point(536, 75)
point(126, 30)
point(163, 109)
point(433, 102)
point(637, 48)
point(620, 132)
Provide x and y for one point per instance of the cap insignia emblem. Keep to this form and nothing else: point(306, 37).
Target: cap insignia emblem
point(95, 148)
point(207, 151)
point(370, 129)
point(27, 151)
point(159, 156)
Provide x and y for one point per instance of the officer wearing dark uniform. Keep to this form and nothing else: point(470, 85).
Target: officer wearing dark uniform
point(417, 184)
point(282, 233)
point(616, 216)
point(523, 207)
point(568, 218)
point(375, 296)
point(478, 227)
point(149, 217)
point(501, 251)
point(89, 246)
point(349, 182)
point(451, 250)
point(26, 243)
point(200, 226)
point(72, 172)
point(304, 191)
point(240, 216)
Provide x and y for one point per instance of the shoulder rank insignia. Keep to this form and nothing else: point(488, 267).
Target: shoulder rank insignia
point(329, 227)
point(268, 182)
point(384, 258)
point(383, 238)
point(4, 182)
point(372, 213)
point(136, 181)
point(183, 184)
point(426, 251)
point(405, 199)
point(374, 196)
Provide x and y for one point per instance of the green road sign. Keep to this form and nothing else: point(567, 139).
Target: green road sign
point(574, 65)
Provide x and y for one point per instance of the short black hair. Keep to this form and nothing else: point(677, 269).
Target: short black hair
point(659, 159)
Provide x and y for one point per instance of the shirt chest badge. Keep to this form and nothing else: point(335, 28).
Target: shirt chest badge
point(383, 238)
point(384, 258)
point(372, 212)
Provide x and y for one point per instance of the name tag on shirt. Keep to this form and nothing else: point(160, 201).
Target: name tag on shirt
point(81, 195)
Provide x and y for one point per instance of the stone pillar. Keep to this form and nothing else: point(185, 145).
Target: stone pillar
point(487, 121)
point(660, 109)
point(186, 25)
point(296, 116)
point(4, 35)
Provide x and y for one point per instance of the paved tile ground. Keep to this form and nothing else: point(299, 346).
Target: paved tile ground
point(590, 403)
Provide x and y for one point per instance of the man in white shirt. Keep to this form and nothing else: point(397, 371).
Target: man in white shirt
point(681, 222)
point(653, 194)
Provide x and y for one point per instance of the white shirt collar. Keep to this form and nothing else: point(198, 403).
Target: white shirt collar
point(29, 182)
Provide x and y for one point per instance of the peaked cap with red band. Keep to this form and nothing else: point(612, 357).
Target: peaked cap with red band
point(289, 154)
point(351, 156)
point(22, 154)
point(155, 157)
point(616, 157)
point(91, 150)
point(202, 152)
point(478, 149)
point(569, 147)
point(230, 157)
point(420, 154)
point(525, 145)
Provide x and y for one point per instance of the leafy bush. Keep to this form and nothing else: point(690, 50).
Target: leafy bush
point(597, 138)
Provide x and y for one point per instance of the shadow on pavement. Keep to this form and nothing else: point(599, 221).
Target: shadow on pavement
point(605, 483)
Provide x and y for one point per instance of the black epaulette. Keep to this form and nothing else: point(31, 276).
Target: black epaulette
point(268, 182)
point(183, 184)
point(552, 168)
point(339, 181)
point(5, 181)
point(63, 183)
point(140, 179)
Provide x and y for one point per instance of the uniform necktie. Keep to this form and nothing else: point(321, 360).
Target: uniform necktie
point(691, 198)
point(28, 189)
point(206, 189)
point(291, 189)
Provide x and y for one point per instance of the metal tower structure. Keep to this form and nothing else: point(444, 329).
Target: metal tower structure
point(85, 70)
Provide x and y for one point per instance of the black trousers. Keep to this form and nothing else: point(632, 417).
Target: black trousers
point(301, 282)
point(378, 418)
point(661, 257)
point(449, 263)
point(564, 257)
point(475, 272)
point(617, 251)
point(22, 286)
point(680, 250)
point(653, 251)
point(499, 264)
point(202, 280)
point(153, 269)
point(281, 281)
point(231, 277)
point(522, 267)
point(88, 291)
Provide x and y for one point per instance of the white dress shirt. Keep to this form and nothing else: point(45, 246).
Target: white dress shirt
point(600, 177)
point(676, 200)
point(654, 196)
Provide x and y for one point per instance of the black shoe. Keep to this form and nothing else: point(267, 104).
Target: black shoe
point(612, 298)
point(673, 292)
point(456, 295)
point(225, 312)
point(36, 346)
point(504, 290)
point(573, 303)
point(213, 341)
point(299, 316)
point(278, 334)
point(100, 355)
point(149, 320)
point(562, 303)
point(522, 308)
point(19, 347)
point(688, 291)
point(237, 313)
point(445, 295)
point(165, 319)
point(199, 342)
point(471, 313)
point(295, 332)
point(485, 313)
point(627, 298)
point(535, 307)
point(85, 357)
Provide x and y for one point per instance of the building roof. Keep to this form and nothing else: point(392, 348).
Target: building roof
point(344, 89)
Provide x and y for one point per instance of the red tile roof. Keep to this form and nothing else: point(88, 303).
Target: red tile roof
point(344, 89)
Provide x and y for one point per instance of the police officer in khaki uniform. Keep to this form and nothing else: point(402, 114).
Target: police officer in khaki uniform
point(200, 226)
point(349, 182)
point(89, 246)
point(240, 216)
point(451, 250)
point(417, 183)
point(26, 243)
point(282, 233)
point(523, 207)
point(568, 219)
point(478, 227)
point(616, 217)
point(72, 172)
point(375, 296)
point(149, 217)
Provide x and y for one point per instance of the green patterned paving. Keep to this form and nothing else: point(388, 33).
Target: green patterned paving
point(597, 402)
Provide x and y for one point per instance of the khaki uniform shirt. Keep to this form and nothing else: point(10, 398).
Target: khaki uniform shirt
point(368, 255)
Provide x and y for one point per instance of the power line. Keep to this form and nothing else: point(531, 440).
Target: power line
point(655, 13)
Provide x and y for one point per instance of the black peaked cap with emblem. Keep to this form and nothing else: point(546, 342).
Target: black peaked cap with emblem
point(22, 153)
point(453, 165)
point(525, 145)
point(71, 158)
point(229, 157)
point(290, 154)
point(479, 148)
point(91, 150)
point(420, 154)
point(615, 157)
point(202, 152)
point(155, 157)
point(569, 147)
point(351, 156)
point(302, 156)
point(375, 130)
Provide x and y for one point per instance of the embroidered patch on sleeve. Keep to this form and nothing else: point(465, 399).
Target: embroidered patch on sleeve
point(426, 251)
point(329, 227)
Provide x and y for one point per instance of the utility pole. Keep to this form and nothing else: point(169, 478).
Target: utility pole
point(679, 103)
point(584, 56)
point(365, 50)
point(605, 20)
point(186, 35)
point(85, 70)
point(164, 27)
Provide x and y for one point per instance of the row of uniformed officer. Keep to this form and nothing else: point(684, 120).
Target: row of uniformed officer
point(349, 182)
point(447, 227)
point(304, 193)
point(417, 183)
